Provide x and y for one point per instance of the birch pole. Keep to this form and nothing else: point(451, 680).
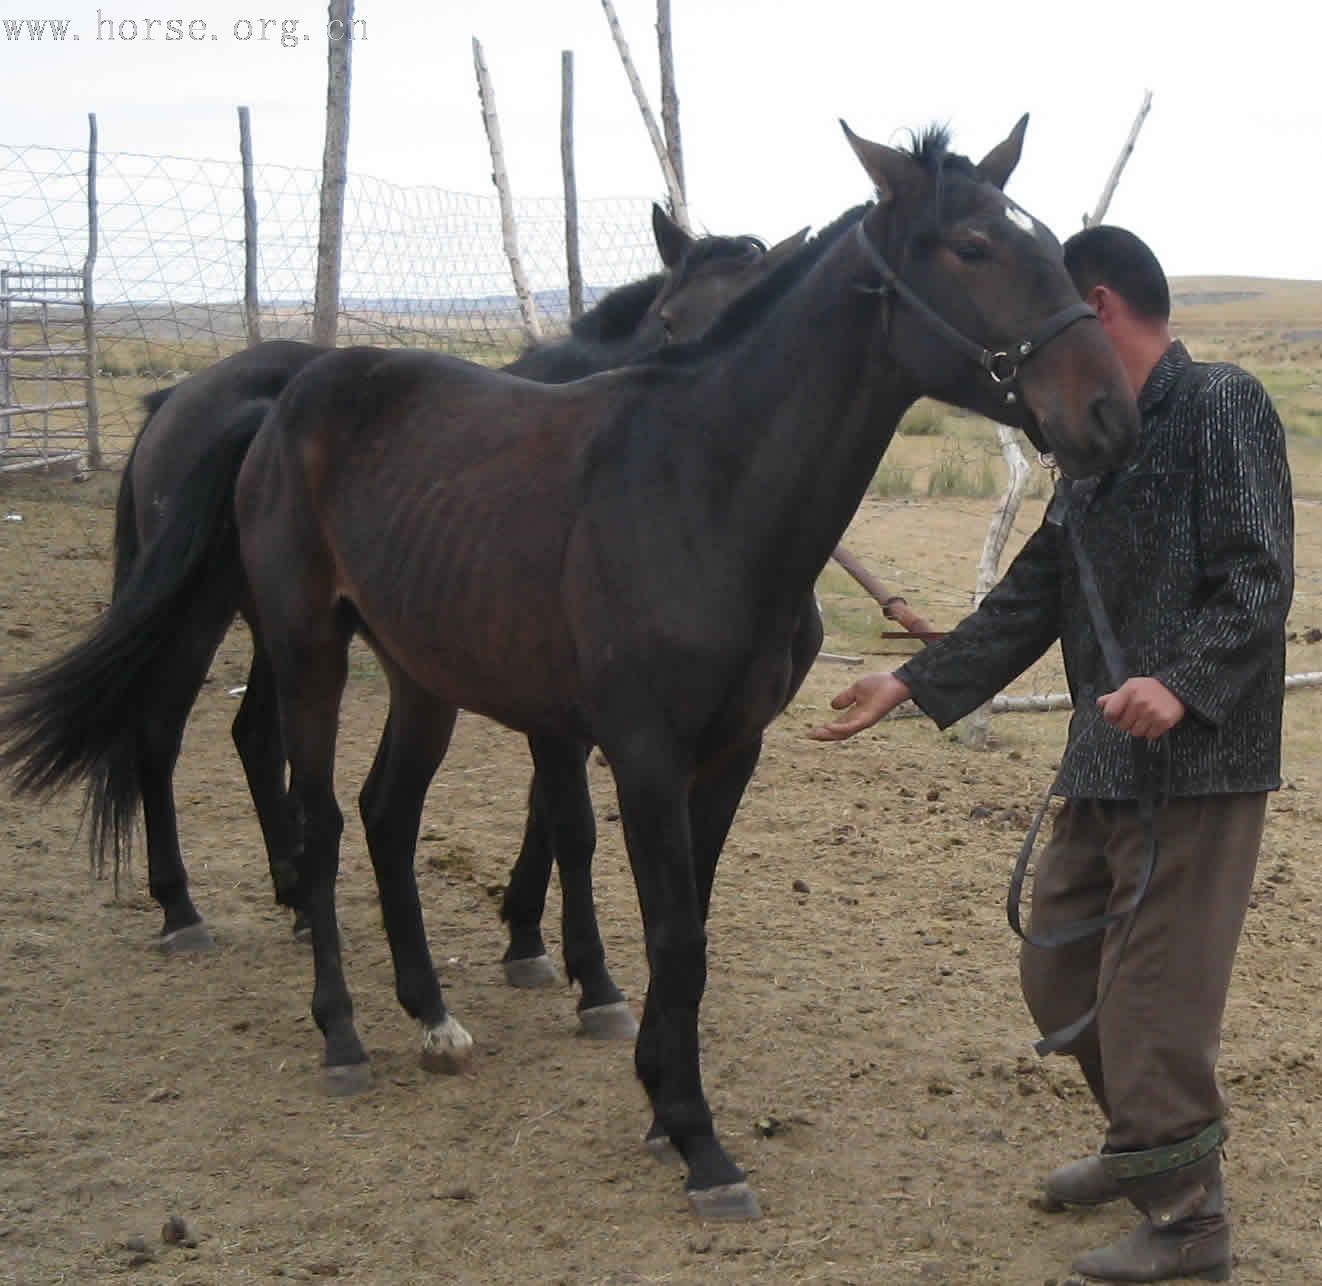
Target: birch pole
point(973, 730)
point(94, 459)
point(678, 206)
point(508, 230)
point(669, 95)
point(251, 312)
point(334, 174)
point(1104, 201)
point(573, 265)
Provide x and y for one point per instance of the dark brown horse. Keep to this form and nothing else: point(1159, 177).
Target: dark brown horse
point(624, 560)
point(121, 730)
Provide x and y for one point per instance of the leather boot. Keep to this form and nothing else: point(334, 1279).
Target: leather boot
point(1186, 1232)
point(1081, 1183)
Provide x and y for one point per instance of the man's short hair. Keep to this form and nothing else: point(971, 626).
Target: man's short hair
point(1104, 255)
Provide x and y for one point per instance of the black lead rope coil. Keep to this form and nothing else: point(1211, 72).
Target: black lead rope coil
point(1153, 782)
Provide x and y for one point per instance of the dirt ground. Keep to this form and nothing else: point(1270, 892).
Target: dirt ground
point(867, 1055)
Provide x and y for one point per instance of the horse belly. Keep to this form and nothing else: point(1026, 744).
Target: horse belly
point(484, 639)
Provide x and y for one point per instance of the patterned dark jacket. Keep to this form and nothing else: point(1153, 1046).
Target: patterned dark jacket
point(1192, 547)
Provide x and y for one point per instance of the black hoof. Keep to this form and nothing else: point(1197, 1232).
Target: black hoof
point(192, 939)
point(728, 1203)
point(532, 972)
point(346, 1079)
point(608, 1022)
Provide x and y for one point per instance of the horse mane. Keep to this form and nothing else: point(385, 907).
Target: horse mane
point(617, 315)
point(754, 303)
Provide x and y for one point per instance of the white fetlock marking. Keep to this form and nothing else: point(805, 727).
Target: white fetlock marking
point(447, 1039)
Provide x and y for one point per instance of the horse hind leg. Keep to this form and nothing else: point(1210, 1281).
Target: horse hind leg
point(310, 661)
point(562, 802)
point(415, 739)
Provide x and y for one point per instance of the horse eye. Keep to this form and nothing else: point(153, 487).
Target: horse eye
point(971, 251)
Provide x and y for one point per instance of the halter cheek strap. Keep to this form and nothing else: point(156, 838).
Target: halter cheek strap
point(1003, 365)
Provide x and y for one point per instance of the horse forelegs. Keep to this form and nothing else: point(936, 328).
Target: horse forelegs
point(525, 960)
point(655, 808)
point(257, 738)
point(562, 802)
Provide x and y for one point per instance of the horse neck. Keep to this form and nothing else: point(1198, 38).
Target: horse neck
point(802, 409)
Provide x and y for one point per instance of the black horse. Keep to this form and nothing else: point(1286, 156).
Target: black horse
point(624, 560)
point(67, 721)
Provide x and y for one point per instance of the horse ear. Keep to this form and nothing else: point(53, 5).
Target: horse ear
point(783, 249)
point(886, 167)
point(671, 240)
point(997, 166)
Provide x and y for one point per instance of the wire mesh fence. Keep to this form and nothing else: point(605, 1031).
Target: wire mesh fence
point(421, 266)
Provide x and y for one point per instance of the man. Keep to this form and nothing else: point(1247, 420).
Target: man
point(1191, 548)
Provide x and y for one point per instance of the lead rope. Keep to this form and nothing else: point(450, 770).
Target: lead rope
point(1153, 790)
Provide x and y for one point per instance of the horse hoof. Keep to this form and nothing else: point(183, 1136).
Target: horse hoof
point(302, 929)
point(661, 1150)
point(347, 1079)
point(727, 1203)
point(608, 1022)
point(192, 939)
point(447, 1049)
point(532, 972)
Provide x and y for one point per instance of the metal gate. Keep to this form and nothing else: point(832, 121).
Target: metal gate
point(45, 375)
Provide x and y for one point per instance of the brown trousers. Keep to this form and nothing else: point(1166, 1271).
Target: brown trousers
point(1150, 1059)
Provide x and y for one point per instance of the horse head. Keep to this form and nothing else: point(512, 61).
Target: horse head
point(982, 312)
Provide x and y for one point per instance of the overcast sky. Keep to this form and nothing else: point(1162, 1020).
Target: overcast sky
point(1227, 177)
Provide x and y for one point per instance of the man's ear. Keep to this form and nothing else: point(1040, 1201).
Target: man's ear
point(671, 240)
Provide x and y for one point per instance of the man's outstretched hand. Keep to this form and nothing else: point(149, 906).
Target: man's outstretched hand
point(868, 699)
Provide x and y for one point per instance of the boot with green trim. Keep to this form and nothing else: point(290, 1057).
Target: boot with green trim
point(1186, 1232)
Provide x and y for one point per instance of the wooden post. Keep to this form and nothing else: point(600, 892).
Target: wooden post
point(573, 265)
point(509, 232)
point(1104, 201)
point(975, 728)
point(89, 302)
point(669, 95)
point(334, 173)
point(678, 206)
point(251, 314)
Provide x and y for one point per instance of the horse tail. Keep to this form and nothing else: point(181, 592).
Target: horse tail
point(80, 716)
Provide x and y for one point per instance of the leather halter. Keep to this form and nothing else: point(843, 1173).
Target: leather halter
point(1002, 366)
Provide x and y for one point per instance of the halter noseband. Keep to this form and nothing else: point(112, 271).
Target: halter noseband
point(1003, 366)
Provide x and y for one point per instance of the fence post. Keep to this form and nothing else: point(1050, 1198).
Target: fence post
point(974, 729)
point(251, 314)
point(678, 206)
point(89, 302)
point(669, 95)
point(326, 300)
point(509, 232)
point(573, 266)
point(1099, 213)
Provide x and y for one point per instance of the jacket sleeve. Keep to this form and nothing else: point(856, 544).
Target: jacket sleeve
point(1245, 523)
point(1013, 626)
